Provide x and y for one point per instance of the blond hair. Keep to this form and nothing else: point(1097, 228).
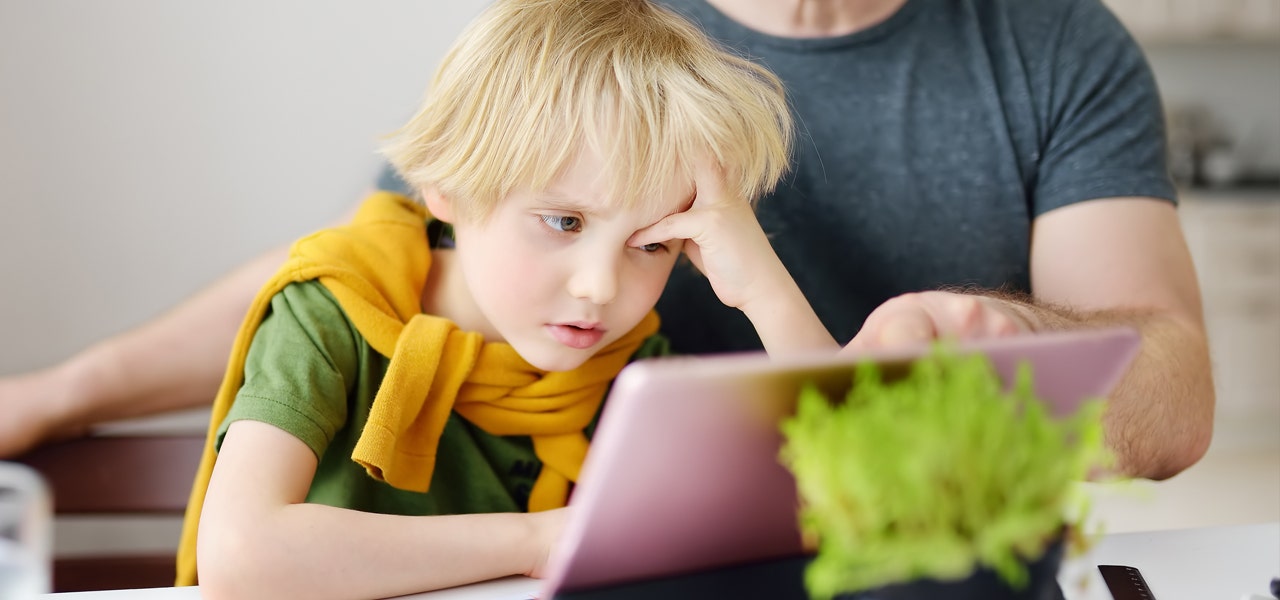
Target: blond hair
point(529, 82)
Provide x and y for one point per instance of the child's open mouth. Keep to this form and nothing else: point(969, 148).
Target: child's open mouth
point(576, 335)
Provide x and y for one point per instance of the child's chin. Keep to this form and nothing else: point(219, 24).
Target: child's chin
point(566, 360)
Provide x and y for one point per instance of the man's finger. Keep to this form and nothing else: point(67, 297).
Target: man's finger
point(904, 324)
point(908, 327)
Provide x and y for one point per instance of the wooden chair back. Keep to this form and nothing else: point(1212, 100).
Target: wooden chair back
point(117, 476)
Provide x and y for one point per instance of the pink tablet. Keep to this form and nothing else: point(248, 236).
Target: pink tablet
point(683, 473)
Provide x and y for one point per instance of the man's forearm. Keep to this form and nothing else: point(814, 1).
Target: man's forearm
point(175, 361)
point(1159, 419)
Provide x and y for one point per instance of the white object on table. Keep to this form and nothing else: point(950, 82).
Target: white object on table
point(26, 526)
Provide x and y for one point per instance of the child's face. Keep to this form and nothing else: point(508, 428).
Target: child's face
point(552, 273)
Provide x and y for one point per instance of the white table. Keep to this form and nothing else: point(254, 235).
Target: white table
point(510, 588)
point(1214, 563)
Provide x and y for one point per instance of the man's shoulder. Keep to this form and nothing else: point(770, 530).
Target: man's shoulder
point(1040, 22)
point(683, 5)
point(1055, 22)
point(1037, 11)
point(698, 11)
point(1043, 37)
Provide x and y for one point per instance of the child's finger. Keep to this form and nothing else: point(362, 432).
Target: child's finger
point(682, 226)
point(708, 184)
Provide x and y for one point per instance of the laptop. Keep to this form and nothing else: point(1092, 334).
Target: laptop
point(683, 477)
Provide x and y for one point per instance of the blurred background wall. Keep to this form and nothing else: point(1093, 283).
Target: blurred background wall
point(148, 146)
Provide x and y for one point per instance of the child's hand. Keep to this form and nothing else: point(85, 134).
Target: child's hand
point(547, 526)
point(725, 242)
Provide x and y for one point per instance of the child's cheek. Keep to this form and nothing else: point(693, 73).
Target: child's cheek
point(646, 280)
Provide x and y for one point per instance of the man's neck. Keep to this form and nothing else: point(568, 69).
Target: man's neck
point(808, 18)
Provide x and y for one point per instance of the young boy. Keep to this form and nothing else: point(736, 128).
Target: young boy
point(405, 408)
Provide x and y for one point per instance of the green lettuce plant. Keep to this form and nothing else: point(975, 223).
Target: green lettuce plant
point(934, 474)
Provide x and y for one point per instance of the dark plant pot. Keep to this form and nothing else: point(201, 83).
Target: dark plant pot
point(983, 584)
point(783, 579)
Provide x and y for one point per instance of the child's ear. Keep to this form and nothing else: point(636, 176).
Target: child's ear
point(438, 205)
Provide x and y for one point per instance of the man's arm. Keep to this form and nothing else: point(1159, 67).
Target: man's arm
point(172, 362)
point(1118, 261)
point(1125, 261)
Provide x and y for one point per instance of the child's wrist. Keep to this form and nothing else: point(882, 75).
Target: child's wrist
point(537, 546)
point(786, 323)
point(771, 294)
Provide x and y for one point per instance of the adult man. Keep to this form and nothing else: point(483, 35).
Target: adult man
point(1011, 145)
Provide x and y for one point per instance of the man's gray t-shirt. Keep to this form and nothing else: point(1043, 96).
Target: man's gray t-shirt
point(926, 146)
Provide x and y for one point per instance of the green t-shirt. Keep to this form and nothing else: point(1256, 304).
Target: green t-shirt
point(310, 373)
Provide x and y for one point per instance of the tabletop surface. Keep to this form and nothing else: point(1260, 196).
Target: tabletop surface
point(1228, 563)
point(1212, 563)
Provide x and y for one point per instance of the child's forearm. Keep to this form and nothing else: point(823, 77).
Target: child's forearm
point(316, 552)
point(783, 318)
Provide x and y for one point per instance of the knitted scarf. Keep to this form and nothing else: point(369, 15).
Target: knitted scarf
point(376, 268)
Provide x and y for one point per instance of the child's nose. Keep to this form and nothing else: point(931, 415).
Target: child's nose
point(595, 280)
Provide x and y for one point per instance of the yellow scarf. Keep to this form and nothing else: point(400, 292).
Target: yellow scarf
point(376, 268)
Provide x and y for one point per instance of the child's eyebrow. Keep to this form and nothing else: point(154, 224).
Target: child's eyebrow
point(558, 201)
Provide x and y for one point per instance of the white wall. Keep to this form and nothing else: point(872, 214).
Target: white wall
point(148, 146)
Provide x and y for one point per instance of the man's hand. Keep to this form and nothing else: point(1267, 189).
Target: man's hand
point(920, 317)
point(31, 406)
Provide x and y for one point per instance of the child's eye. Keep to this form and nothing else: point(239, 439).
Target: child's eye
point(654, 247)
point(562, 223)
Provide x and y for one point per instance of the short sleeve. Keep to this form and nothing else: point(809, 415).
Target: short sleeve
point(390, 180)
point(1106, 134)
point(300, 368)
